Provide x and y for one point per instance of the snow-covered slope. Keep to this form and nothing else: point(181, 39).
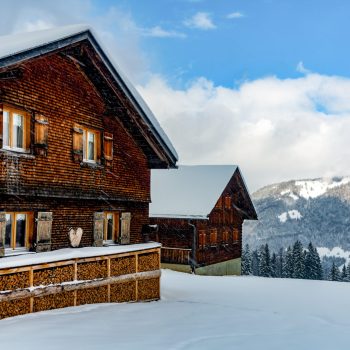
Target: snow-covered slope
point(315, 210)
point(198, 312)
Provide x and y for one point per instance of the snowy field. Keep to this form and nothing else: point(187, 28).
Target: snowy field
point(198, 313)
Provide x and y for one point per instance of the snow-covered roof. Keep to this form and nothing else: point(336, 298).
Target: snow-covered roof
point(189, 191)
point(22, 46)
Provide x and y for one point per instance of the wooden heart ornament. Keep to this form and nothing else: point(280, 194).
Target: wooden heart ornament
point(75, 236)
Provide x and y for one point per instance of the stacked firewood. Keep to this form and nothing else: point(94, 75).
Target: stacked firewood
point(53, 275)
point(148, 262)
point(123, 266)
point(54, 301)
point(14, 281)
point(14, 307)
point(92, 270)
point(123, 292)
point(92, 295)
point(148, 289)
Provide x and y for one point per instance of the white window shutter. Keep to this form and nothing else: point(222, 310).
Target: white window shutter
point(43, 232)
point(98, 229)
point(2, 234)
point(125, 228)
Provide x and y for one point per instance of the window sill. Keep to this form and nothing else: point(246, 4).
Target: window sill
point(91, 165)
point(17, 153)
point(15, 252)
point(110, 244)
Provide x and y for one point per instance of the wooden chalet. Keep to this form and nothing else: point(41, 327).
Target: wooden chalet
point(77, 145)
point(197, 214)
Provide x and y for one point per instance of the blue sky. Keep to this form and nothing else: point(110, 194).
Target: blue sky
point(260, 83)
point(269, 38)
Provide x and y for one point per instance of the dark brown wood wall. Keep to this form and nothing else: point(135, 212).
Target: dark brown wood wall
point(69, 213)
point(55, 87)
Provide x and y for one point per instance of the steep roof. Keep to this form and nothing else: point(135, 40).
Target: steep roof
point(189, 191)
point(20, 47)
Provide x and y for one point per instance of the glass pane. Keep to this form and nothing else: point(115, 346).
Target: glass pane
point(8, 230)
point(17, 131)
point(110, 227)
point(91, 146)
point(6, 128)
point(20, 230)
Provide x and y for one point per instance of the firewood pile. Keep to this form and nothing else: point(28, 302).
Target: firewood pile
point(14, 307)
point(123, 266)
point(123, 292)
point(148, 289)
point(148, 262)
point(14, 281)
point(53, 275)
point(92, 295)
point(92, 270)
point(54, 301)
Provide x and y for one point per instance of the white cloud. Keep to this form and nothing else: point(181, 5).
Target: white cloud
point(201, 20)
point(235, 15)
point(271, 127)
point(301, 68)
point(159, 32)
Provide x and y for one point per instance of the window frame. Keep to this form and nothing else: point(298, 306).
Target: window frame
point(28, 228)
point(116, 227)
point(11, 111)
point(86, 132)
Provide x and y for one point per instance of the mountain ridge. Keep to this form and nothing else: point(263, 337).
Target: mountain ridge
point(316, 210)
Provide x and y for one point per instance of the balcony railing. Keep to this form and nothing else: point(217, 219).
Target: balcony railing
point(176, 255)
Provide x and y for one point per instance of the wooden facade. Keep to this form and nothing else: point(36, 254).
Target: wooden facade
point(61, 98)
point(77, 145)
point(217, 238)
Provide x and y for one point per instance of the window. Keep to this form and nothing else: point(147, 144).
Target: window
point(89, 146)
point(235, 235)
point(86, 145)
point(228, 202)
point(16, 130)
point(17, 230)
point(225, 236)
point(201, 235)
point(111, 227)
point(213, 236)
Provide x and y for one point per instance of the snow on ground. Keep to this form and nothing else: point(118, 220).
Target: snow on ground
point(334, 252)
point(316, 188)
point(198, 312)
point(292, 214)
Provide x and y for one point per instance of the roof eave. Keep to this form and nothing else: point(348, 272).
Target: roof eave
point(170, 157)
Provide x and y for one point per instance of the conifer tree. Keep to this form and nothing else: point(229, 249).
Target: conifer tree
point(274, 265)
point(344, 275)
point(279, 263)
point(265, 261)
point(288, 264)
point(298, 260)
point(319, 270)
point(348, 273)
point(255, 263)
point(246, 261)
point(312, 263)
point(334, 274)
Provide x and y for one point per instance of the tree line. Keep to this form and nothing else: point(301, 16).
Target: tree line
point(293, 262)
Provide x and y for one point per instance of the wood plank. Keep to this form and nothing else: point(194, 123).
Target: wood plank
point(43, 291)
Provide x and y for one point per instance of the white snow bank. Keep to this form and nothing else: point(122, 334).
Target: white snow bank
point(316, 188)
point(292, 214)
point(290, 194)
point(198, 312)
point(334, 252)
point(71, 253)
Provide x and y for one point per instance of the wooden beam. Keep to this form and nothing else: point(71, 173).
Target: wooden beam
point(67, 287)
